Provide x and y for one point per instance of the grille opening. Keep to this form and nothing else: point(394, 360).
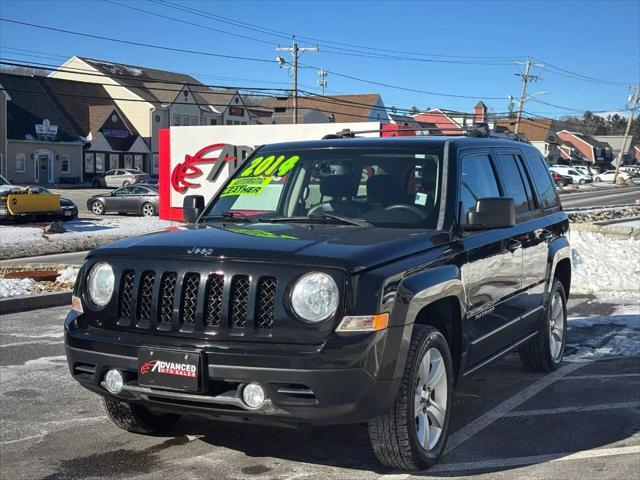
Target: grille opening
point(189, 301)
point(190, 403)
point(213, 306)
point(125, 305)
point(167, 295)
point(265, 306)
point(145, 295)
point(239, 301)
point(84, 368)
point(295, 393)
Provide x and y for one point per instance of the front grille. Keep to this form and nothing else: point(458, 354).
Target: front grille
point(237, 303)
point(125, 305)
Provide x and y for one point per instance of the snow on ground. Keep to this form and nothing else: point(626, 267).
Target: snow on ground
point(83, 234)
point(605, 265)
point(617, 334)
point(12, 287)
point(67, 275)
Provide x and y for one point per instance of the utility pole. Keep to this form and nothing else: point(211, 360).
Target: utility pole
point(634, 105)
point(322, 82)
point(295, 52)
point(526, 77)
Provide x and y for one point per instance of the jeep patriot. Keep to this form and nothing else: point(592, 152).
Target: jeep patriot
point(332, 281)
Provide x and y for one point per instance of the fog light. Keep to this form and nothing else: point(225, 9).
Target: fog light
point(253, 395)
point(113, 381)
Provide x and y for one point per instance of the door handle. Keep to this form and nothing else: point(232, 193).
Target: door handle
point(513, 244)
point(546, 235)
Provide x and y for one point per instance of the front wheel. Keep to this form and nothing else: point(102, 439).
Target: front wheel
point(561, 183)
point(544, 352)
point(137, 419)
point(412, 435)
point(148, 210)
point(598, 179)
point(582, 181)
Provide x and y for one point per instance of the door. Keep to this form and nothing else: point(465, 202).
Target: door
point(136, 198)
point(493, 274)
point(43, 169)
point(119, 199)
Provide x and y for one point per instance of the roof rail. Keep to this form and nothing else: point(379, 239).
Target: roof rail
point(478, 131)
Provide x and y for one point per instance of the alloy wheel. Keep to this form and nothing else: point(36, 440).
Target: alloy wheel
point(556, 326)
point(147, 210)
point(430, 399)
point(97, 208)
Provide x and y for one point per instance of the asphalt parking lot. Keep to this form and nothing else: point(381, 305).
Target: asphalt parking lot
point(579, 422)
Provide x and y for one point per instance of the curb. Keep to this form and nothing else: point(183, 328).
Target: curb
point(612, 230)
point(32, 302)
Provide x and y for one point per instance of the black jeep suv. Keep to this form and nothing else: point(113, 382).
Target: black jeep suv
point(332, 281)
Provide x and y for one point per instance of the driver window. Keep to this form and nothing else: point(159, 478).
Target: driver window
point(477, 180)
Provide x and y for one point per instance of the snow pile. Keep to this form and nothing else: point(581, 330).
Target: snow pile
point(615, 335)
point(68, 275)
point(605, 265)
point(13, 287)
point(82, 234)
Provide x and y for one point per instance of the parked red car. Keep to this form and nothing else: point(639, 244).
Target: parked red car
point(561, 180)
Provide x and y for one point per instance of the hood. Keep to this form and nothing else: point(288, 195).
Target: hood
point(348, 247)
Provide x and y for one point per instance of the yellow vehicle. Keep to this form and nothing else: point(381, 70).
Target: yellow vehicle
point(17, 202)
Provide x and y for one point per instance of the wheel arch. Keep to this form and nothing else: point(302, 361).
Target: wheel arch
point(560, 264)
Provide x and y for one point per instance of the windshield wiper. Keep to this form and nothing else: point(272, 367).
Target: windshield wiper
point(320, 216)
point(239, 216)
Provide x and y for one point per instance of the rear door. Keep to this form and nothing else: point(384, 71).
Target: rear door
point(493, 273)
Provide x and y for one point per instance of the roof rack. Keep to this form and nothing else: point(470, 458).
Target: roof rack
point(478, 131)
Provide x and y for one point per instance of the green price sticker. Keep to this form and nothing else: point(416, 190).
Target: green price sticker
point(272, 165)
point(246, 186)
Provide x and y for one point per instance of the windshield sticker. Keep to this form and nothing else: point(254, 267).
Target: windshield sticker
point(421, 199)
point(272, 165)
point(246, 186)
point(261, 233)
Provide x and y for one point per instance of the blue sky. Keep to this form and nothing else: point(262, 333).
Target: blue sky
point(592, 38)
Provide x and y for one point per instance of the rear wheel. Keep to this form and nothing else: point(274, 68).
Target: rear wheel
point(97, 207)
point(598, 179)
point(148, 209)
point(126, 183)
point(137, 419)
point(544, 353)
point(412, 435)
point(561, 183)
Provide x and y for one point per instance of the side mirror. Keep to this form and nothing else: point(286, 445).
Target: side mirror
point(492, 212)
point(192, 207)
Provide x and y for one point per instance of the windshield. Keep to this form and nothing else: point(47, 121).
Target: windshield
point(384, 187)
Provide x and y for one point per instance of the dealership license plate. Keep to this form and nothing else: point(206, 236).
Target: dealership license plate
point(169, 369)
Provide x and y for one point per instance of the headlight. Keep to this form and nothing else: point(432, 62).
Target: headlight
point(100, 284)
point(315, 297)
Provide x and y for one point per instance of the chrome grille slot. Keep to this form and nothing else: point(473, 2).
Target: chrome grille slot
point(167, 295)
point(213, 306)
point(239, 301)
point(145, 296)
point(265, 306)
point(190, 286)
point(125, 304)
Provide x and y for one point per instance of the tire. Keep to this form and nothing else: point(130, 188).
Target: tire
point(561, 183)
point(542, 354)
point(598, 179)
point(126, 183)
point(582, 181)
point(148, 210)
point(137, 419)
point(97, 207)
point(394, 435)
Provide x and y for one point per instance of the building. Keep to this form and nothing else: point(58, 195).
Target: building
point(324, 109)
point(40, 144)
point(585, 149)
point(152, 99)
point(616, 142)
point(452, 122)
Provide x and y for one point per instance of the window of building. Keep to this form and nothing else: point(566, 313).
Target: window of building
point(542, 180)
point(236, 111)
point(176, 120)
point(113, 160)
point(229, 122)
point(280, 109)
point(137, 162)
point(21, 163)
point(154, 164)
point(478, 180)
point(213, 121)
point(99, 162)
point(128, 161)
point(185, 120)
point(65, 164)
point(514, 183)
point(194, 121)
point(88, 163)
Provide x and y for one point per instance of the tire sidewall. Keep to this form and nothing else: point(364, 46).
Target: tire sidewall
point(434, 340)
point(98, 202)
point(556, 288)
point(153, 211)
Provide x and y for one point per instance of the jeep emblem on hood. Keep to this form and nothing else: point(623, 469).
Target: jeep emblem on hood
point(200, 251)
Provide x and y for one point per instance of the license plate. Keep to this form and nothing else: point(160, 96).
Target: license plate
point(169, 369)
point(67, 213)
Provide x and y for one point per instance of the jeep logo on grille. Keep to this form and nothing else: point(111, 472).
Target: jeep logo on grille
point(200, 251)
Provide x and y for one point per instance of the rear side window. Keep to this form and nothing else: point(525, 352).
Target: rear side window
point(514, 183)
point(542, 180)
point(478, 180)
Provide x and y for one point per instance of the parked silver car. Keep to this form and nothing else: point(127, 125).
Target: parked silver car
point(130, 199)
point(120, 177)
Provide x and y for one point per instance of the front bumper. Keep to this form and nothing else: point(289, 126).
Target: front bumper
point(348, 379)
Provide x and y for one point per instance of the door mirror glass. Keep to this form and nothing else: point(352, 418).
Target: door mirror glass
point(492, 212)
point(192, 207)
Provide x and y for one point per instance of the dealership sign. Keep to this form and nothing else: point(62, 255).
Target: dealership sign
point(198, 160)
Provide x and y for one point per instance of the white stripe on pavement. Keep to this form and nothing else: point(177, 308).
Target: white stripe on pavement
point(603, 376)
point(572, 409)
